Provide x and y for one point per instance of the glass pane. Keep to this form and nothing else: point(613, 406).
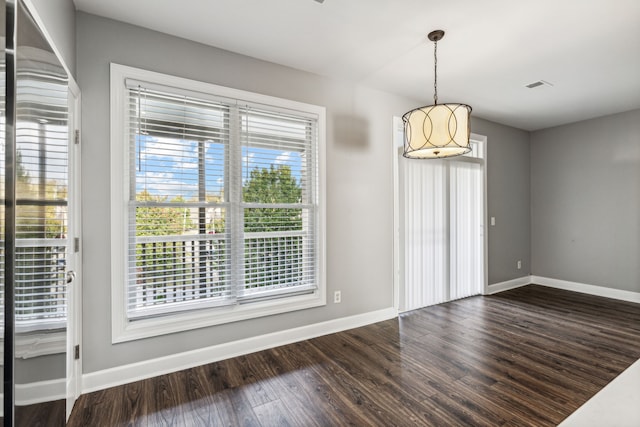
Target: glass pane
point(272, 219)
point(178, 170)
point(275, 158)
point(41, 192)
point(41, 174)
point(274, 262)
point(166, 273)
point(178, 146)
point(178, 251)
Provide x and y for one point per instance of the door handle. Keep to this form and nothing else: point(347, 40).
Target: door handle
point(71, 276)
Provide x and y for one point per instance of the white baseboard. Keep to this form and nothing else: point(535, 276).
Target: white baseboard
point(41, 391)
point(566, 285)
point(584, 288)
point(509, 284)
point(38, 392)
point(112, 377)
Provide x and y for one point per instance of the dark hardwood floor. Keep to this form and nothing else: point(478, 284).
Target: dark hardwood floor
point(48, 414)
point(525, 357)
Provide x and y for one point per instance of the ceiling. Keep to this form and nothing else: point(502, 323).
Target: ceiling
point(588, 50)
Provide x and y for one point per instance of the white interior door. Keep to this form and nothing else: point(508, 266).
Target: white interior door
point(74, 260)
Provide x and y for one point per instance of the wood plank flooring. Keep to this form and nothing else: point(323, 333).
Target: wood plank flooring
point(48, 414)
point(525, 357)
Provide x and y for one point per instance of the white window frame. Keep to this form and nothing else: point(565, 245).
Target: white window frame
point(126, 330)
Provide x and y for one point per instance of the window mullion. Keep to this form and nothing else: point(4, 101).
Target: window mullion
point(202, 218)
point(309, 188)
point(233, 186)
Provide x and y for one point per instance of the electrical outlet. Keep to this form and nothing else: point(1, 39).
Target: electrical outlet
point(337, 297)
point(519, 264)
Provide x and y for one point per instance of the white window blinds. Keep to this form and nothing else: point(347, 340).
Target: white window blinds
point(278, 200)
point(222, 201)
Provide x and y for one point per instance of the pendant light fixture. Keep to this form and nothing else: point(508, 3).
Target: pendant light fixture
point(439, 130)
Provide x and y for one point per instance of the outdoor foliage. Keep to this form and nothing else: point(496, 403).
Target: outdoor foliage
point(272, 261)
point(39, 220)
point(161, 220)
point(273, 185)
point(200, 265)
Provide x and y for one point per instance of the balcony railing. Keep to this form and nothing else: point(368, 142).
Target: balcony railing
point(40, 286)
point(174, 273)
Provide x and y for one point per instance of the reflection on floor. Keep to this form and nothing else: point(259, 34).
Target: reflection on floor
point(49, 414)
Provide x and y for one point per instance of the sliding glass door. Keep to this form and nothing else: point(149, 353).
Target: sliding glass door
point(441, 228)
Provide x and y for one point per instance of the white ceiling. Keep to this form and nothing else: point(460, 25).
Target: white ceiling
point(588, 49)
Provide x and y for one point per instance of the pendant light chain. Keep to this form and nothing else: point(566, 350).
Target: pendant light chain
point(435, 72)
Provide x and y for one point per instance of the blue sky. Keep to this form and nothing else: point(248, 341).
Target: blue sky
point(169, 166)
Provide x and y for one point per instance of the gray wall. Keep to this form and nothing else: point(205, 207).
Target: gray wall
point(585, 209)
point(508, 199)
point(59, 18)
point(359, 182)
point(42, 368)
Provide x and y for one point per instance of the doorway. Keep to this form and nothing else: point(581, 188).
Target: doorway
point(440, 219)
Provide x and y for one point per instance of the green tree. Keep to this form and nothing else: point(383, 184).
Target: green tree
point(160, 259)
point(272, 185)
point(161, 220)
point(272, 260)
point(45, 219)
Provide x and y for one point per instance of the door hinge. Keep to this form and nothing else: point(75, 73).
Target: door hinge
point(76, 352)
point(77, 136)
point(76, 244)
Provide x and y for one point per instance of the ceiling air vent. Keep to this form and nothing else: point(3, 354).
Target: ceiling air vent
point(538, 83)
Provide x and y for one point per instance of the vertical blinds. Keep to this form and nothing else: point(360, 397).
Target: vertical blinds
point(425, 206)
point(222, 201)
point(443, 233)
point(467, 229)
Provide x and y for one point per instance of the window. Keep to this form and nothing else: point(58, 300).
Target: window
point(217, 196)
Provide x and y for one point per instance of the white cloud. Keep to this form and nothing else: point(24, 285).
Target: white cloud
point(248, 158)
point(164, 183)
point(186, 165)
point(283, 158)
point(168, 147)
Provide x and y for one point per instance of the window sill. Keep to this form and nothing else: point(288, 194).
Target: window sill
point(125, 330)
point(38, 344)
